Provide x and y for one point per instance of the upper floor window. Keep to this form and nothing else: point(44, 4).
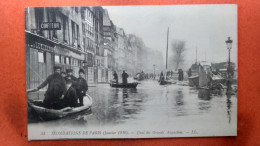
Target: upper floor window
point(39, 13)
point(75, 34)
point(65, 29)
point(76, 9)
point(57, 59)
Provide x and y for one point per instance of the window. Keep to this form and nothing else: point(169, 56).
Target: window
point(57, 59)
point(65, 28)
point(41, 57)
point(76, 9)
point(79, 63)
point(39, 19)
point(83, 29)
point(67, 60)
point(62, 60)
point(84, 44)
point(90, 59)
point(75, 33)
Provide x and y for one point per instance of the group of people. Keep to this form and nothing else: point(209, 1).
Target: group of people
point(124, 77)
point(169, 74)
point(64, 89)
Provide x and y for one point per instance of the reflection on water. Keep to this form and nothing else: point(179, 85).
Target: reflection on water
point(204, 102)
point(151, 103)
point(229, 103)
point(179, 103)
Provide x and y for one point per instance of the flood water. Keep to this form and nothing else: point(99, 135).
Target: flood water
point(153, 105)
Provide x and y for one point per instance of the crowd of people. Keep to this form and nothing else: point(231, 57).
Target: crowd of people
point(64, 89)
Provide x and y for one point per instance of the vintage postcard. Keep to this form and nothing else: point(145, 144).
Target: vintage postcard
point(131, 71)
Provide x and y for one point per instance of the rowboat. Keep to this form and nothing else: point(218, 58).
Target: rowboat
point(52, 114)
point(128, 85)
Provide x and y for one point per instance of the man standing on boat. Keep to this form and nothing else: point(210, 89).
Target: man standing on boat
point(56, 89)
point(82, 87)
point(124, 77)
point(189, 72)
point(180, 72)
point(115, 77)
point(161, 77)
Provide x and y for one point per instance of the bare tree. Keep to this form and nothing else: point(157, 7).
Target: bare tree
point(178, 49)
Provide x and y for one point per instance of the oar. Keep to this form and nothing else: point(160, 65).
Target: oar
point(31, 90)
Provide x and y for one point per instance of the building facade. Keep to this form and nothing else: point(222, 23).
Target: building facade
point(46, 48)
point(79, 37)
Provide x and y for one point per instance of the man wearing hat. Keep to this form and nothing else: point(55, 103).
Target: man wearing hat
point(70, 98)
point(56, 89)
point(70, 76)
point(82, 87)
point(124, 77)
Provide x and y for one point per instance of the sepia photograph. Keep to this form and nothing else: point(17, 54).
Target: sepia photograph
point(103, 72)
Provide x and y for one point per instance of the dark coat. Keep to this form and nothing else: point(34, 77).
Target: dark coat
point(115, 77)
point(73, 79)
point(70, 98)
point(124, 77)
point(56, 88)
point(82, 87)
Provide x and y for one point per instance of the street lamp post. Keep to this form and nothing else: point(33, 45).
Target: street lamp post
point(229, 46)
point(154, 71)
point(85, 63)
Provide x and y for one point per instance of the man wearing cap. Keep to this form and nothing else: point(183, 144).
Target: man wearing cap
point(82, 87)
point(56, 89)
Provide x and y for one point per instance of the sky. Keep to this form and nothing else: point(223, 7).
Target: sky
point(205, 27)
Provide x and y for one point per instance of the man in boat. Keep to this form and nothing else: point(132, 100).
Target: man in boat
point(72, 78)
point(63, 74)
point(124, 77)
point(115, 77)
point(70, 75)
point(70, 97)
point(82, 87)
point(189, 72)
point(56, 89)
point(180, 72)
point(161, 77)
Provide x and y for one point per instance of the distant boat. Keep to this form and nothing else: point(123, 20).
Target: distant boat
point(53, 114)
point(194, 80)
point(120, 85)
point(199, 76)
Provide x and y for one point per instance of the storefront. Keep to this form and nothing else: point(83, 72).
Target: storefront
point(39, 59)
point(43, 54)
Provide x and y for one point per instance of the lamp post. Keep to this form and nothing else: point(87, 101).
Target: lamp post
point(85, 63)
point(154, 71)
point(229, 46)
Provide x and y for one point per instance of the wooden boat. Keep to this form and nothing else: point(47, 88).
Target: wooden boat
point(128, 85)
point(194, 81)
point(52, 114)
point(167, 82)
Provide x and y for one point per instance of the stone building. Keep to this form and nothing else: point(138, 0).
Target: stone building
point(53, 37)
